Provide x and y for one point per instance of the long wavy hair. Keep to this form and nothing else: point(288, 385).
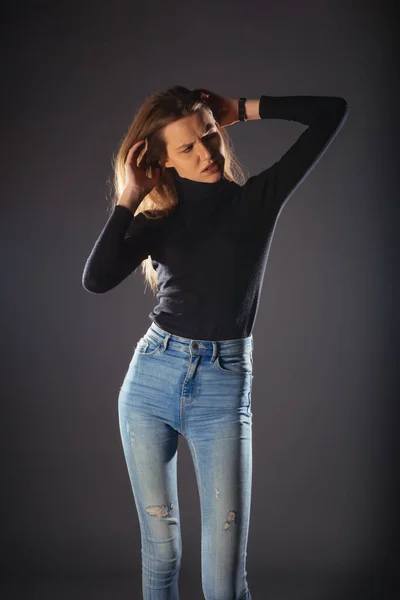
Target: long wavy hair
point(157, 111)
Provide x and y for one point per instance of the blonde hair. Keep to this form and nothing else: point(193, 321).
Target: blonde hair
point(157, 111)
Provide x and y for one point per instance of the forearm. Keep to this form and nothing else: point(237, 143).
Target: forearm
point(314, 111)
point(324, 116)
point(116, 254)
point(309, 110)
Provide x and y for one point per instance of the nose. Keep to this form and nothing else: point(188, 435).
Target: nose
point(204, 152)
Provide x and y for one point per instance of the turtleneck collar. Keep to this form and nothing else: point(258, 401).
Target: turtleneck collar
point(198, 190)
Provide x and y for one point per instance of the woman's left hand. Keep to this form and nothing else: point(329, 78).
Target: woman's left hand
point(225, 110)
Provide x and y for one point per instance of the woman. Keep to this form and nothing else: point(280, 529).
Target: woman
point(202, 236)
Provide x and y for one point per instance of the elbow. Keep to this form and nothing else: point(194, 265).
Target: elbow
point(337, 108)
point(338, 112)
point(93, 285)
point(343, 109)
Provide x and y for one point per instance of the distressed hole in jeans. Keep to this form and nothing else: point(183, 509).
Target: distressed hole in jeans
point(230, 519)
point(159, 510)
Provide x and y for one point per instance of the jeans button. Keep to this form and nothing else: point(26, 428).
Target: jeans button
point(195, 345)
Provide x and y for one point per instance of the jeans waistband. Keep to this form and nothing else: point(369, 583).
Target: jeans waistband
point(199, 346)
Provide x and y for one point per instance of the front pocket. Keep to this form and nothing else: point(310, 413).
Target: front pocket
point(148, 346)
point(235, 364)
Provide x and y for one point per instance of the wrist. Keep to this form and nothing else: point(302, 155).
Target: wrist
point(252, 107)
point(130, 198)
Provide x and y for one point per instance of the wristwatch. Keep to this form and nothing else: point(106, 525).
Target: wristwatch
point(242, 109)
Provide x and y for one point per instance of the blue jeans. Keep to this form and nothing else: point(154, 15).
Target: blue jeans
point(201, 390)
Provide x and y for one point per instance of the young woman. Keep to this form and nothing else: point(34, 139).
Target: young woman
point(202, 236)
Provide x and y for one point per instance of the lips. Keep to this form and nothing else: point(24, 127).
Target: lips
point(210, 166)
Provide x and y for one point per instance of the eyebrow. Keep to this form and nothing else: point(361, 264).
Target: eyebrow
point(208, 126)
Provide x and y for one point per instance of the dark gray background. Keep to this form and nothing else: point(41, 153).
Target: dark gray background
point(324, 520)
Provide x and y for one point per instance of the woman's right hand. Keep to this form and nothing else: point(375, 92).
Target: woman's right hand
point(135, 175)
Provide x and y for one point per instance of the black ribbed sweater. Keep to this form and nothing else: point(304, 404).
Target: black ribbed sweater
point(211, 252)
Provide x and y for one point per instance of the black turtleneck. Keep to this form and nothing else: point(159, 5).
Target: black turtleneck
point(210, 253)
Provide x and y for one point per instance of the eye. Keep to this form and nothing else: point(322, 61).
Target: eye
point(210, 135)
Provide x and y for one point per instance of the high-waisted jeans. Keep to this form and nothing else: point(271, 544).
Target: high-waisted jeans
point(201, 390)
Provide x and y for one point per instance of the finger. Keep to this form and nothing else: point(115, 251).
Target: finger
point(135, 151)
point(137, 147)
point(204, 94)
point(142, 149)
point(142, 158)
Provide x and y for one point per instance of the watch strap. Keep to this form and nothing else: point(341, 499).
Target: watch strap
point(242, 109)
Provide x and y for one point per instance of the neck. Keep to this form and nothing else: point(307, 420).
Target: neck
point(191, 189)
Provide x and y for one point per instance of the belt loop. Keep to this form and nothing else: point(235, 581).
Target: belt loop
point(215, 351)
point(164, 343)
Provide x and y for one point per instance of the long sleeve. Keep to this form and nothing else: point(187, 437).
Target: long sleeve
point(115, 254)
point(324, 116)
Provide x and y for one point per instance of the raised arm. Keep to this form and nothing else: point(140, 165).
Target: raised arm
point(324, 116)
point(115, 255)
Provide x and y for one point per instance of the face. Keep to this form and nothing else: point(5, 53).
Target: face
point(193, 143)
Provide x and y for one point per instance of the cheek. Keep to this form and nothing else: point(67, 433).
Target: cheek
point(219, 145)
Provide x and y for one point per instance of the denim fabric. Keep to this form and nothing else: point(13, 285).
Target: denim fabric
point(200, 389)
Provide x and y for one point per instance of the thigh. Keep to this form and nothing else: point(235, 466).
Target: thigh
point(219, 435)
point(150, 446)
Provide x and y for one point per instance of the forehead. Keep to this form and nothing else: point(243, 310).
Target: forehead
point(186, 129)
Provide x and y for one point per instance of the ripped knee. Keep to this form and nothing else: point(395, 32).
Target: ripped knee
point(159, 510)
